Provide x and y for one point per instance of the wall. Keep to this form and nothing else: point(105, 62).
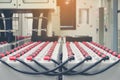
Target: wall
point(89, 29)
point(82, 29)
point(118, 15)
point(119, 27)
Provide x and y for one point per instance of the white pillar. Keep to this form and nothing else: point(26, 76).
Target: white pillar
point(49, 26)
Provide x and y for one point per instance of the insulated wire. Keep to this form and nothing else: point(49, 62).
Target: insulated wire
point(82, 72)
point(105, 69)
point(36, 73)
point(40, 65)
point(72, 67)
point(27, 65)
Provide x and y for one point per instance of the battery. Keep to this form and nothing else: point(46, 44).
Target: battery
point(60, 60)
point(41, 52)
point(95, 54)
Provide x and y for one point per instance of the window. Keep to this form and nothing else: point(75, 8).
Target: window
point(83, 16)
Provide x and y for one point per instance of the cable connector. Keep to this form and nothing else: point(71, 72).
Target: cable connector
point(88, 58)
point(2, 55)
point(47, 58)
point(7, 52)
point(13, 58)
point(118, 56)
point(105, 57)
point(71, 58)
point(29, 58)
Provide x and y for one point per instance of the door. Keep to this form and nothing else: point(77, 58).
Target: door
point(67, 14)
